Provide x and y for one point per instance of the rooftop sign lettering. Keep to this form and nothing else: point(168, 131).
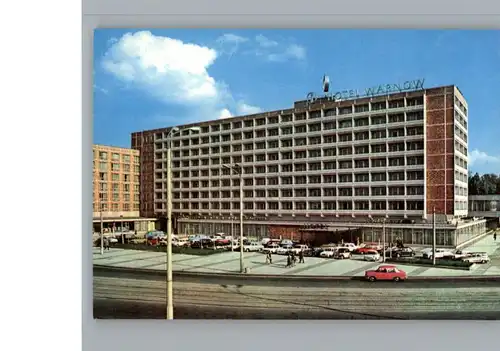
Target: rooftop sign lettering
point(382, 89)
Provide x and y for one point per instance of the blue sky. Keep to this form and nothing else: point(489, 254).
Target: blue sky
point(145, 79)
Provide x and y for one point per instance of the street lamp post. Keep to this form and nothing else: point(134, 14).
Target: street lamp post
point(434, 236)
point(102, 230)
point(383, 239)
point(170, 301)
point(232, 235)
point(121, 225)
point(237, 169)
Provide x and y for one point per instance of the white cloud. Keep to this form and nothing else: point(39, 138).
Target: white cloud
point(100, 89)
point(169, 69)
point(174, 72)
point(225, 113)
point(265, 41)
point(231, 38)
point(229, 43)
point(293, 51)
point(477, 157)
point(261, 46)
point(245, 109)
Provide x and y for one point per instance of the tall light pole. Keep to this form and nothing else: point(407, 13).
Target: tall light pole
point(434, 236)
point(170, 300)
point(383, 238)
point(102, 229)
point(238, 170)
point(121, 225)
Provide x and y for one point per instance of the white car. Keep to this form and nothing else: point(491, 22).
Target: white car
point(460, 255)
point(265, 241)
point(283, 250)
point(180, 242)
point(252, 247)
point(349, 246)
point(286, 242)
point(440, 253)
point(371, 255)
point(477, 257)
point(273, 248)
point(328, 252)
point(298, 248)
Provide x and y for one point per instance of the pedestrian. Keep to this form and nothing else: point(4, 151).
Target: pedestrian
point(301, 256)
point(270, 257)
point(106, 243)
point(495, 236)
point(288, 261)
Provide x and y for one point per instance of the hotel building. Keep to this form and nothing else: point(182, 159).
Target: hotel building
point(116, 179)
point(321, 169)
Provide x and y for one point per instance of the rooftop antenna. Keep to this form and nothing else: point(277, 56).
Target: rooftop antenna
point(326, 83)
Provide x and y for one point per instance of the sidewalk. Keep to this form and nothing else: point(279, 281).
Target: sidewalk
point(228, 262)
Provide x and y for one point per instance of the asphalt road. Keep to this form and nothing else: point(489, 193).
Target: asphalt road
point(131, 298)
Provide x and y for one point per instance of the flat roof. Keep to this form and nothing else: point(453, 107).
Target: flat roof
point(316, 105)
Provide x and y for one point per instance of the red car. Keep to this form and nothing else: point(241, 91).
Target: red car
point(386, 272)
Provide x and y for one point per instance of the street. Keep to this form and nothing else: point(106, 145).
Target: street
point(118, 297)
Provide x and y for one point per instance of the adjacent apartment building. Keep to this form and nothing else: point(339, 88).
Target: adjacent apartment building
point(116, 179)
point(364, 165)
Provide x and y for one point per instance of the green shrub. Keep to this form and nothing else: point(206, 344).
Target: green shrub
point(427, 262)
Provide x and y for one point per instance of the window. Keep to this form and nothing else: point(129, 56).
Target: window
point(379, 191)
point(362, 191)
point(286, 143)
point(330, 192)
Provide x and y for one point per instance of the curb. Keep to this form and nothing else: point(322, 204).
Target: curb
point(242, 276)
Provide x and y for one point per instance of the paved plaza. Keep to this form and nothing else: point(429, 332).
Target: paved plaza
point(228, 262)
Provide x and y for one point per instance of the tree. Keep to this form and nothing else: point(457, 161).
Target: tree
point(486, 184)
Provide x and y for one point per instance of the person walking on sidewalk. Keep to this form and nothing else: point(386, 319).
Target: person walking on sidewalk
point(288, 260)
point(495, 236)
point(301, 256)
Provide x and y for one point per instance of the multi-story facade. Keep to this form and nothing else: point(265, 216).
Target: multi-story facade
point(398, 156)
point(116, 179)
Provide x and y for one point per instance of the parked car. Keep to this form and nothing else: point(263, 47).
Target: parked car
point(202, 243)
point(286, 242)
point(297, 248)
point(400, 252)
point(349, 246)
point(328, 252)
point(252, 247)
point(342, 253)
point(273, 248)
point(477, 257)
point(372, 255)
point(180, 242)
point(265, 241)
point(440, 253)
point(364, 249)
point(460, 254)
point(314, 252)
point(386, 272)
point(283, 250)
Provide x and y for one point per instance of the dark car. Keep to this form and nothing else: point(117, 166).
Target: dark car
point(315, 252)
point(197, 244)
point(400, 252)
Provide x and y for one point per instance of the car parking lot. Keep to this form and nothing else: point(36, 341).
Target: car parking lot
point(228, 262)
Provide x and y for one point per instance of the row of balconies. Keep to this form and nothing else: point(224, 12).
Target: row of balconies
point(322, 170)
point(349, 157)
point(339, 184)
point(188, 150)
point(338, 197)
point(283, 136)
point(343, 117)
point(325, 132)
point(324, 212)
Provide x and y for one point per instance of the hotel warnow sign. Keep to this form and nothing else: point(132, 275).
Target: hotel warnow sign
point(382, 89)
